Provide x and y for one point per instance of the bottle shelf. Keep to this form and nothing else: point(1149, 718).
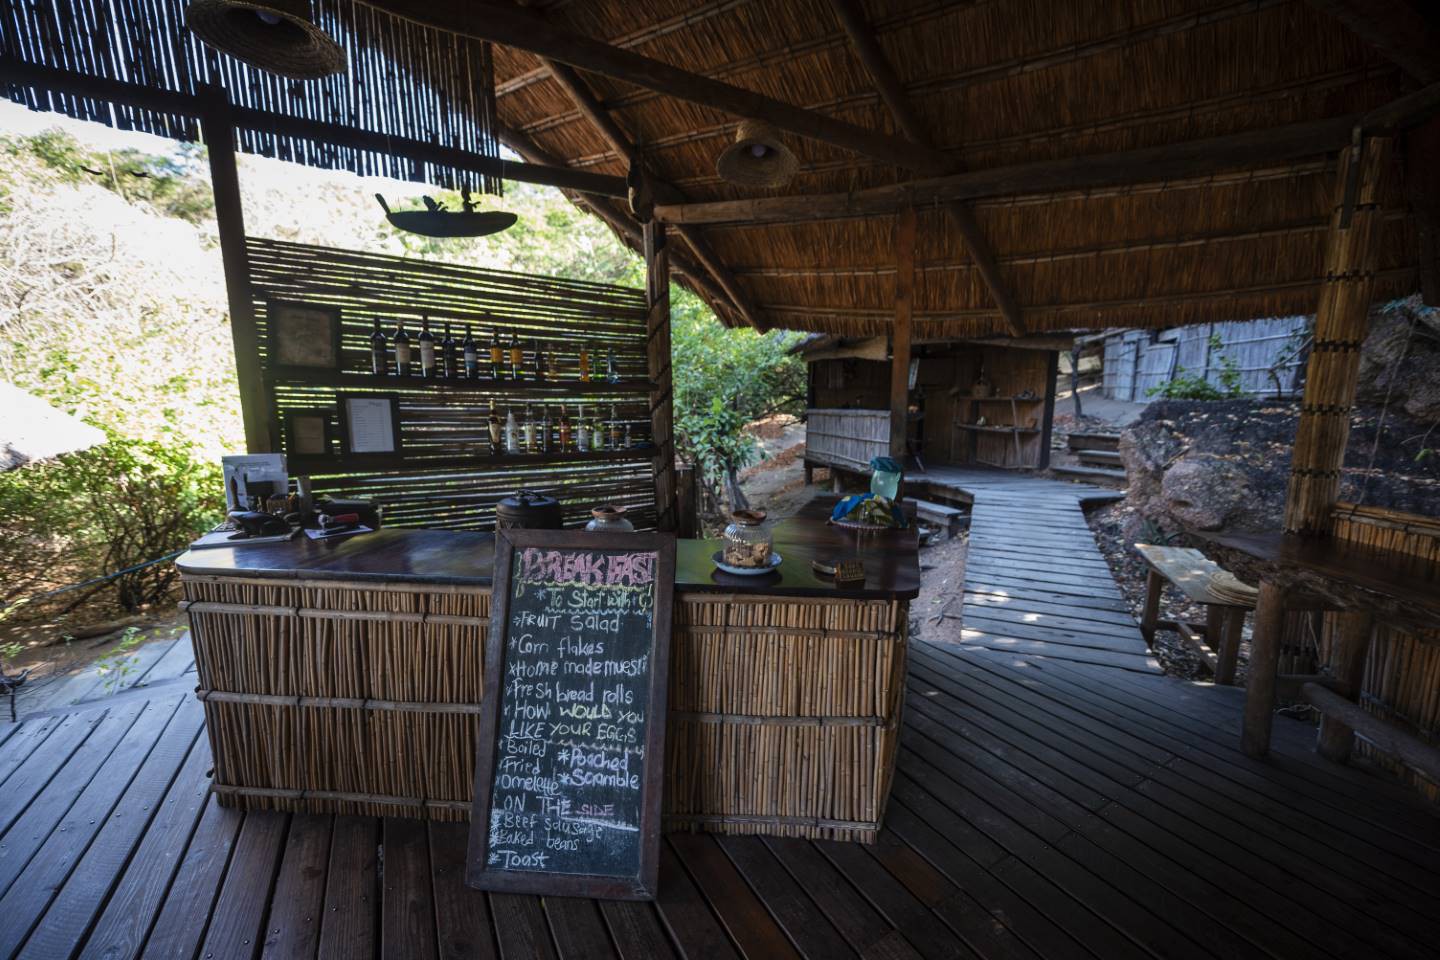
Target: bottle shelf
point(312, 464)
point(536, 389)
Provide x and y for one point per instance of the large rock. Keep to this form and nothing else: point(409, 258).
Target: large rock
point(1400, 361)
point(1225, 465)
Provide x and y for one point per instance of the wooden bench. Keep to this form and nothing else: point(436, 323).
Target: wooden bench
point(1217, 640)
point(947, 517)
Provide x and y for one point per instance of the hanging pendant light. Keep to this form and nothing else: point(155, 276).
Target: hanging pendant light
point(276, 36)
point(757, 158)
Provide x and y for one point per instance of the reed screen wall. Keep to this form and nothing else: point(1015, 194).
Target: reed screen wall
point(444, 475)
point(352, 698)
point(1402, 670)
point(402, 80)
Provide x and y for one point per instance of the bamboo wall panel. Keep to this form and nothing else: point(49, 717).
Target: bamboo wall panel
point(846, 438)
point(402, 79)
point(363, 699)
point(1402, 671)
point(445, 475)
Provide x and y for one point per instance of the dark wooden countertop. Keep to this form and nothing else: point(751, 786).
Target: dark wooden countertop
point(1340, 573)
point(891, 559)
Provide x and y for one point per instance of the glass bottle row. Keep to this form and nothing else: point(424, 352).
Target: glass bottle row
point(449, 359)
point(537, 432)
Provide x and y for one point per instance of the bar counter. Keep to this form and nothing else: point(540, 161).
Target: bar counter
point(345, 676)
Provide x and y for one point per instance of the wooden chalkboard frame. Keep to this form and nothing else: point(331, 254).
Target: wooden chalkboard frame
point(643, 886)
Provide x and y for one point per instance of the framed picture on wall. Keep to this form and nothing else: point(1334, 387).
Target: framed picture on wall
point(371, 423)
point(303, 334)
point(308, 433)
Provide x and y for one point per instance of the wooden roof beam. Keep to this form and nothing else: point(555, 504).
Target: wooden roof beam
point(1192, 158)
point(892, 91)
point(523, 31)
point(1394, 27)
point(619, 220)
point(593, 111)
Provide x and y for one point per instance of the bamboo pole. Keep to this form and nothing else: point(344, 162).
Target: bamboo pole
point(1341, 323)
point(900, 336)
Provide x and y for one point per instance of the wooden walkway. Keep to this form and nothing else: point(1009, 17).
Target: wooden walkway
point(1042, 808)
point(1035, 583)
point(153, 664)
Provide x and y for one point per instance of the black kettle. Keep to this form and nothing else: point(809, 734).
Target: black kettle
point(528, 509)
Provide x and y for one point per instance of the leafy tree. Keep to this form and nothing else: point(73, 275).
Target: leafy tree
point(723, 380)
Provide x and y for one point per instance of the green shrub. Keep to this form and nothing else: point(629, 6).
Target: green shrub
point(1187, 386)
point(92, 513)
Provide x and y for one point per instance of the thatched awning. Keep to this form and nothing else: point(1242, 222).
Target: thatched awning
point(33, 430)
point(992, 85)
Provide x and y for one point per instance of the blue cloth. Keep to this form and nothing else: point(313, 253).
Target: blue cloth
point(848, 505)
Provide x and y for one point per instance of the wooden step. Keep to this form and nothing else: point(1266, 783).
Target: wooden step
point(948, 518)
point(1092, 474)
point(1093, 441)
point(1099, 458)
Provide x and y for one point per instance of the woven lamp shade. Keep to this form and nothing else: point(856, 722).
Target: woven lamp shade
point(276, 36)
point(757, 158)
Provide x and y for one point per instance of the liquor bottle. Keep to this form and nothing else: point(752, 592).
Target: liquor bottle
point(614, 429)
point(529, 429)
point(585, 362)
point(627, 435)
point(539, 359)
point(449, 368)
point(564, 430)
point(495, 432)
point(610, 373)
point(512, 438)
point(582, 437)
point(378, 361)
point(472, 356)
point(517, 357)
point(402, 350)
point(427, 349)
point(545, 430)
point(497, 356)
point(597, 435)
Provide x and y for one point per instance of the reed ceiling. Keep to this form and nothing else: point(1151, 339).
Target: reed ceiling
point(996, 83)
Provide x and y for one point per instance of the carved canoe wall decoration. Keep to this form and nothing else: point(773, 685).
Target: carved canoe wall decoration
point(436, 221)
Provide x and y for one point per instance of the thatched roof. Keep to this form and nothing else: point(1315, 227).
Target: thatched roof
point(994, 84)
point(33, 430)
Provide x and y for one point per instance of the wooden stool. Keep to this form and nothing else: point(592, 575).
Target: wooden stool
point(1217, 640)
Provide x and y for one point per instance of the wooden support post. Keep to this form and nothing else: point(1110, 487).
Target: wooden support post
point(219, 135)
point(657, 352)
point(1264, 665)
point(1422, 193)
point(687, 504)
point(1341, 323)
point(1047, 427)
point(1353, 630)
point(1228, 652)
point(900, 334)
point(1154, 584)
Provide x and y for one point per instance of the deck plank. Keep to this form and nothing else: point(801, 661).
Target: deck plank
point(133, 906)
point(407, 913)
point(462, 915)
point(64, 924)
point(185, 915)
point(293, 929)
point(352, 894)
point(238, 923)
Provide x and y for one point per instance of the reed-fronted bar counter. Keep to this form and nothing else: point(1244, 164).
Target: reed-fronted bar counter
point(346, 676)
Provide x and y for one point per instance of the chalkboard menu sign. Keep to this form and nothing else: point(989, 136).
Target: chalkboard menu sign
point(570, 754)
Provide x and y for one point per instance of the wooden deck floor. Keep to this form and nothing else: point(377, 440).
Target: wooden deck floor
point(1035, 583)
point(1042, 808)
point(1046, 804)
